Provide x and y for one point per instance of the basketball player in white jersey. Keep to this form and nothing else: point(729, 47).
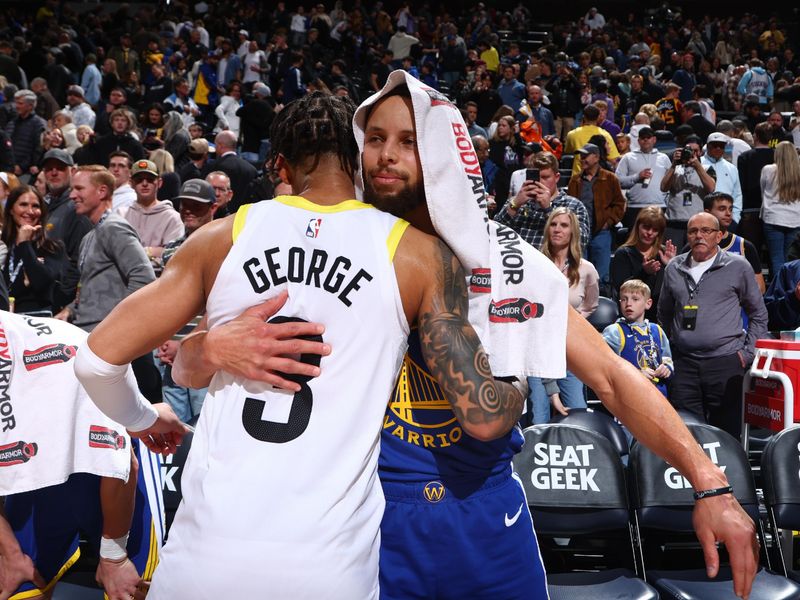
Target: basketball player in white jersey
point(642, 409)
point(280, 491)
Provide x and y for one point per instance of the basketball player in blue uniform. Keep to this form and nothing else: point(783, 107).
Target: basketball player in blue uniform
point(298, 466)
point(40, 527)
point(476, 471)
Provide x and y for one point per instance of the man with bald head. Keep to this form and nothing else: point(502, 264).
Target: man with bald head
point(240, 172)
point(699, 308)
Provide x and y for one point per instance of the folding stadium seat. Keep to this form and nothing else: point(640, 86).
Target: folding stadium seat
point(600, 422)
point(779, 471)
point(605, 314)
point(663, 504)
point(575, 486)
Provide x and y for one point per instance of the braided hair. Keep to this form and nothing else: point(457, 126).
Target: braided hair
point(315, 125)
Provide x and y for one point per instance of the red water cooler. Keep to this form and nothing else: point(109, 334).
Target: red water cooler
point(770, 398)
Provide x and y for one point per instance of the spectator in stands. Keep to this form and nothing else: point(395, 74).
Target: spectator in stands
point(528, 210)
point(686, 183)
point(738, 146)
point(227, 108)
point(120, 138)
point(752, 114)
point(721, 206)
point(126, 59)
point(170, 181)
point(181, 102)
point(115, 265)
point(35, 263)
point(470, 114)
point(779, 134)
point(594, 20)
point(505, 150)
point(176, 140)
point(230, 65)
point(118, 98)
point(641, 172)
point(488, 168)
point(293, 86)
point(565, 99)
point(750, 166)
point(221, 184)
point(780, 212)
point(711, 349)
point(81, 111)
point(562, 246)
point(400, 44)
point(756, 81)
point(25, 131)
point(160, 86)
point(91, 80)
point(644, 255)
point(783, 298)
point(255, 120)
point(511, 91)
point(685, 77)
point(119, 164)
point(636, 339)
point(612, 128)
point(46, 105)
point(725, 174)
point(380, 72)
point(579, 136)
point(599, 191)
point(452, 59)
point(198, 155)
point(533, 107)
point(155, 221)
point(240, 172)
point(669, 106)
point(692, 115)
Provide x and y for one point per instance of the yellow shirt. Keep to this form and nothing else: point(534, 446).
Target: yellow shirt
point(491, 58)
point(578, 137)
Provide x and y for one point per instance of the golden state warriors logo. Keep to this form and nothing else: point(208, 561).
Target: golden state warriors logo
point(434, 491)
point(419, 413)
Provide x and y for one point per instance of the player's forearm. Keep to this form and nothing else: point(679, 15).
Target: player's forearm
point(117, 501)
point(192, 367)
point(638, 404)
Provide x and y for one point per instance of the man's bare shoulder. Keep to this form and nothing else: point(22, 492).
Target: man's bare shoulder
point(416, 248)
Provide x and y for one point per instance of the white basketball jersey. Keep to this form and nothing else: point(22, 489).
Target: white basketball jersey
point(280, 492)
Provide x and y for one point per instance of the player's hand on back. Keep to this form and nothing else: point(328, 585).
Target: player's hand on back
point(251, 347)
point(16, 569)
point(120, 580)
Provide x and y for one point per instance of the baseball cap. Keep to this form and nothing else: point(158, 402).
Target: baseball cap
point(144, 166)
point(197, 190)
point(198, 146)
point(589, 149)
point(718, 137)
point(60, 155)
point(244, 32)
point(75, 90)
point(646, 132)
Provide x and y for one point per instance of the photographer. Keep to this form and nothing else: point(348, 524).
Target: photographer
point(536, 196)
point(686, 183)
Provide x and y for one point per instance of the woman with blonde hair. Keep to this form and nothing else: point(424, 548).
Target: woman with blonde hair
point(780, 209)
point(562, 245)
point(643, 255)
point(170, 181)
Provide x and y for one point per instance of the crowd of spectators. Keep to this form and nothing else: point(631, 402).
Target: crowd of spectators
point(604, 117)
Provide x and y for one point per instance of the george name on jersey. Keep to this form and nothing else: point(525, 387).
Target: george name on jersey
point(315, 268)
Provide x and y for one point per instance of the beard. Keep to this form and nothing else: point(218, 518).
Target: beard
point(398, 203)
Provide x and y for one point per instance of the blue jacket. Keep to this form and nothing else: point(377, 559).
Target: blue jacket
point(783, 307)
point(512, 93)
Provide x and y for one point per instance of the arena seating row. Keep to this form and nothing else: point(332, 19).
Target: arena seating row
point(608, 530)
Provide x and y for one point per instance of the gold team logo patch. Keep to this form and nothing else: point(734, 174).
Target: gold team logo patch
point(419, 414)
point(434, 491)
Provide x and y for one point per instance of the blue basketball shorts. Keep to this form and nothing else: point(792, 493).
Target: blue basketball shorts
point(49, 523)
point(441, 542)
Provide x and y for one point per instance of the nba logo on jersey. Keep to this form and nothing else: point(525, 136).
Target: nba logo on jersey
point(313, 228)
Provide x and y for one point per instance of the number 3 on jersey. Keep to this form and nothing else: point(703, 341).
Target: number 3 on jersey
point(299, 413)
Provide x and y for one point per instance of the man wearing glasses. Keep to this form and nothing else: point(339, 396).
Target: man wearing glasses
point(222, 191)
point(724, 172)
point(700, 309)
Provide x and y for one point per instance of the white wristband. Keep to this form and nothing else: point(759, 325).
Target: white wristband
point(113, 389)
point(114, 549)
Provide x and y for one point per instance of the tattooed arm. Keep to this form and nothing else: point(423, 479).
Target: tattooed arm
point(486, 408)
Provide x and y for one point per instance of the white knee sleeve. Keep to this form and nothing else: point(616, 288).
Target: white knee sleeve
point(113, 389)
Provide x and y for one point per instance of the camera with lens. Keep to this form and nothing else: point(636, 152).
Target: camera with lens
point(686, 155)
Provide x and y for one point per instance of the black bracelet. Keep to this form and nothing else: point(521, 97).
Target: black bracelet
point(714, 492)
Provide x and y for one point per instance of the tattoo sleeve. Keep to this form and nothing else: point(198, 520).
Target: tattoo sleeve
point(455, 357)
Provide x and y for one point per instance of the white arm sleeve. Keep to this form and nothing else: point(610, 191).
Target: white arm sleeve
point(113, 389)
